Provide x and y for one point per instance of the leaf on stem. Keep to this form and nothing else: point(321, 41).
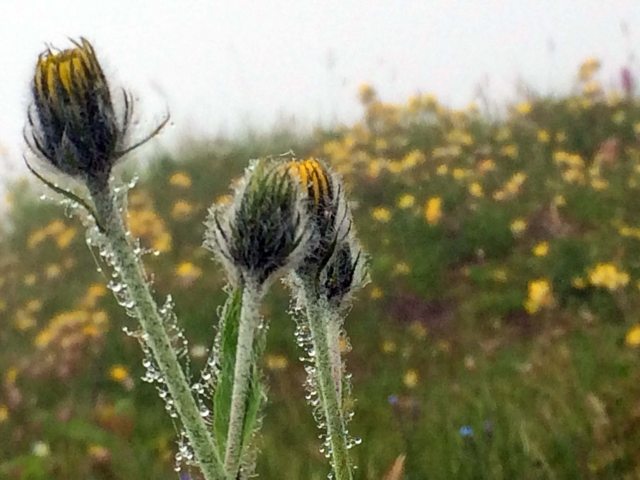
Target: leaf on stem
point(224, 386)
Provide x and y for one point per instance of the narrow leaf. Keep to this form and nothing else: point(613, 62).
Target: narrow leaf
point(224, 386)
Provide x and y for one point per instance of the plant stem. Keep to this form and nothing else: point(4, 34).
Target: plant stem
point(132, 274)
point(249, 319)
point(318, 320)
point(333, 327)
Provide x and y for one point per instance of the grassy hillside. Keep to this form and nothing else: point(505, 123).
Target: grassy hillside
point(497, 338)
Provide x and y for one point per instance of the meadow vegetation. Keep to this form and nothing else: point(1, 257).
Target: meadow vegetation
point(497, 339)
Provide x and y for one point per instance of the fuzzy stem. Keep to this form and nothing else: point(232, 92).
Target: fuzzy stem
point(249, 319)
point(132, 274)
point(333, 327)
point(336, 427)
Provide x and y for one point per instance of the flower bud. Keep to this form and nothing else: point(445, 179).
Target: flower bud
point(344, 273)
point(72, 121)
point(264, 230)
point(327, 208)
point(335, 266)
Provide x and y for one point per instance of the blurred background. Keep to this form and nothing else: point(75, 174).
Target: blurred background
point(492, 154)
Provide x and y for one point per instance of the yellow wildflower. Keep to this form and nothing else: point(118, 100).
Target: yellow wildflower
point(414, 104)
point(36, 238)
point(97, 290)
point(63, 239)
point(559, 201)
point(518, 226)
point(608, 276)
point(588, 68)
point(118, 373)
point(524, 108)
point(418, 330)
point(448, 151)
point(381, 144)
point(500, 275)
point(33, 306)
point(460, 173)
point(579, 283)
point(377, 293)
point(573, 175)
point(487, 165)
point(619, 117)
point(4, 413)
point(510, 151)
point(433, 210)
point(591, 88)
point(632, 337)
point(475, 189)
point(225, 199)
point(406, 201)
point(276, 362)
point(98, 453)
point(90, 331)
point(381, 214)
point(402, 268)
point(388, 346)
point(188, 270)
point(100, 319)
point(374, 168)
point(11, 376)
point(24, 321)
point(503, 134)
point(442, 169)
point(52, 271)
point(541, 249)
point(429, 101)
point(180, 179)
point(561, 136)
point(543, 136)
point(599, 184)
point(163, 242)
point(411, 378)
point(413, 158)
point(540, 295)
point(181, 210)
point(395, 167)
point(29, 279)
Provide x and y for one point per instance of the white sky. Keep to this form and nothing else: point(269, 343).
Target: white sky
point(220, 65)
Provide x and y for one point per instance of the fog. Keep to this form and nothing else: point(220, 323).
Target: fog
point(225, 66)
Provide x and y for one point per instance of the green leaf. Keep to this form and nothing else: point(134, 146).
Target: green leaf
point(224, 386)
point(256, 391)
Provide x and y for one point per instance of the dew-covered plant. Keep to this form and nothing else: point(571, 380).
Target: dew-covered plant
point(288, 218)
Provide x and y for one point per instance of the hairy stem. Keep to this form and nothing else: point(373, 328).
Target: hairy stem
point(333, 328)
point(249, 319)
point(318, 319)
point(146, 309)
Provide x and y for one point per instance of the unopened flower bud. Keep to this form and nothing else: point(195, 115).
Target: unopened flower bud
point(344, 273)
point(73, 125)
point(328, 211)
point(264, 230)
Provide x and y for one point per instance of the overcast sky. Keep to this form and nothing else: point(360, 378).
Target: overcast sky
point(220, 65)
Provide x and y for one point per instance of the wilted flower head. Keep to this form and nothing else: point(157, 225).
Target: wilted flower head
point(72, 121)
point(264, 230)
